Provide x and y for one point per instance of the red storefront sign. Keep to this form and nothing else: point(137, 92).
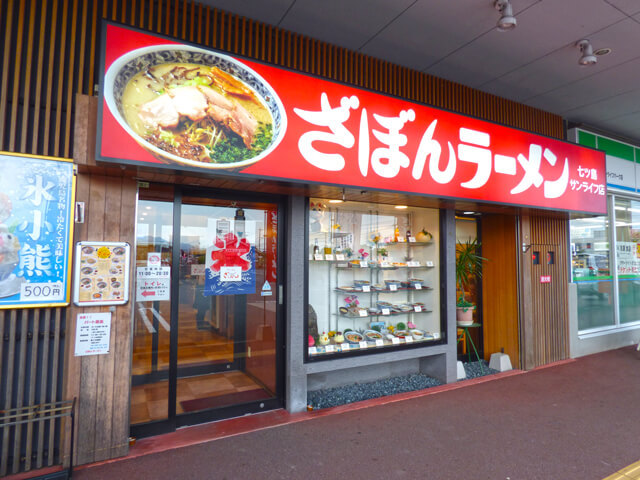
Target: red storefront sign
point(331, 133)
point(545, 278)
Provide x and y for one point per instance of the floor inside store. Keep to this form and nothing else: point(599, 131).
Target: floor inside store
point(149, 402)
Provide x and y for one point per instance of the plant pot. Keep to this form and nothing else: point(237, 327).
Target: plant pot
point(464, 318)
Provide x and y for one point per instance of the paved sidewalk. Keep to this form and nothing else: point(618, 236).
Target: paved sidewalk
point(573, 420)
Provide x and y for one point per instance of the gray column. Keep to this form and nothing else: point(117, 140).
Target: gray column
point(295, 375)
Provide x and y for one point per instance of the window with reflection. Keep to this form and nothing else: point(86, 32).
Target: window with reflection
point(590, 270)
point(628, 258)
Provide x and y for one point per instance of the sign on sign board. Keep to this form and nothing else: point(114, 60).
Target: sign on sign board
point(101, 274)
point(153, 284)
point(331, 133)
point(36, 227)
point(93, 333)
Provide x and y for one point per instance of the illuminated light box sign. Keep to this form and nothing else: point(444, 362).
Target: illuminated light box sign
point(169, 104)
point(36, 197)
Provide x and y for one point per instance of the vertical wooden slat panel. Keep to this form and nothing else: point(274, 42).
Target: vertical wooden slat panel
point(82, 47)
point(62, 52)
point(43, 383)
point(24, 134)
point(33, 364)
point(54, 380)
point(20, 379)
point(38, 87)
point(16, 79)
point(10, 318)
point(70, 76)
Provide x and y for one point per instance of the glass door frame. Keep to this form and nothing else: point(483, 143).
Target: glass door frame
point(173, 420)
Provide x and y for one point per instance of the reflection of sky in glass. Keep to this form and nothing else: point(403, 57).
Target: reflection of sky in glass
point(155, 221)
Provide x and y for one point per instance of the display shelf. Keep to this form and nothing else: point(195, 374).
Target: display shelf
point(376, 315)
point(383, 291)
point(366, 234)
point(320, 350)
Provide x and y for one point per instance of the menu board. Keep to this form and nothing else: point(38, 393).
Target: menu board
point(101, 273)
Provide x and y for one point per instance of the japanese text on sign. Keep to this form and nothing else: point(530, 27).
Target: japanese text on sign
point(153, 284)
point(473, 147)
point(93, 333)
point(35, 230)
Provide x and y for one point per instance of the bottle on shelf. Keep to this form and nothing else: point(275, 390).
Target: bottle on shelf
point(316, 247)
point(327, 249)
point(408, 233)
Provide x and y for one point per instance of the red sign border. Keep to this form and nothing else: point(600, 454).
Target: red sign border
point(249, 176)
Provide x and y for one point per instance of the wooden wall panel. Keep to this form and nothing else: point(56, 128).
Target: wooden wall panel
point(500, 287)
point(101, 382)
point(51, 50)
point(544, 309)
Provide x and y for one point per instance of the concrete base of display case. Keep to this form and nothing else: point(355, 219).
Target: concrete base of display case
point(340, 372)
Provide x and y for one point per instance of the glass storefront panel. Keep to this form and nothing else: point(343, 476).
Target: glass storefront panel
point(374, 277)
point(226, 332)
point(590, 270)
point(205, 333)
point(628, 258)
point(151, 329)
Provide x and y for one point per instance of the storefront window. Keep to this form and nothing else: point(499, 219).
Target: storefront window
point(590, 269)
point(628, 258)
point(373, 277)
point(602, 277)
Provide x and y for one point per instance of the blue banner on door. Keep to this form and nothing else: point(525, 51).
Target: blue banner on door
point(35, 231)
point(230, 267)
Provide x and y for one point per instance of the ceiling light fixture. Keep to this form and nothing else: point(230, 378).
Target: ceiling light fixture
point(587, 58)
point(401, 207)
point(602, 51)
point(507, 20)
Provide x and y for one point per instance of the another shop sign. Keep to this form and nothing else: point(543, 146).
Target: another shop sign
point(36, 228)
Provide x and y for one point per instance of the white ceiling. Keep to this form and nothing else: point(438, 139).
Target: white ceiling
point(535, 64)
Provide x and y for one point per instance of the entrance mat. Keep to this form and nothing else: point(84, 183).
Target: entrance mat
point(224, 400)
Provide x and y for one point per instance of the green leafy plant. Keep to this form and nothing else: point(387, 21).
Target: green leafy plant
point(468, 268)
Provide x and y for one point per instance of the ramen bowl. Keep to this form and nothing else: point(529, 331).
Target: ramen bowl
point(126, 67)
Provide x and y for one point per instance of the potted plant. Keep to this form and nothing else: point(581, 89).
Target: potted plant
point(468, 268)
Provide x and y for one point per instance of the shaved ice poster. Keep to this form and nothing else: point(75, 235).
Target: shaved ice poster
point(36, 198)
point(230, 267)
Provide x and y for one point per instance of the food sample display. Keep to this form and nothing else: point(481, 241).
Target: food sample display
point(372, 283)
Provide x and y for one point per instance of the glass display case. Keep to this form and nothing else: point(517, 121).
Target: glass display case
point(374, 277)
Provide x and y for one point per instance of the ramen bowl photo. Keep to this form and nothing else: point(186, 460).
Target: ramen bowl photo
point(190, 106)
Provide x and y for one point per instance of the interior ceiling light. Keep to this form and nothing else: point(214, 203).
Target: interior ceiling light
point(602, 52)
point(587, 58)
point(507, 20)
point(401, 207)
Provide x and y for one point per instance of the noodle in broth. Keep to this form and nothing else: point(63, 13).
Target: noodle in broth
point(197, 112)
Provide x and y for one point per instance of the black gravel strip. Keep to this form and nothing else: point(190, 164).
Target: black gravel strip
point(478, 369)
point(332, 397)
